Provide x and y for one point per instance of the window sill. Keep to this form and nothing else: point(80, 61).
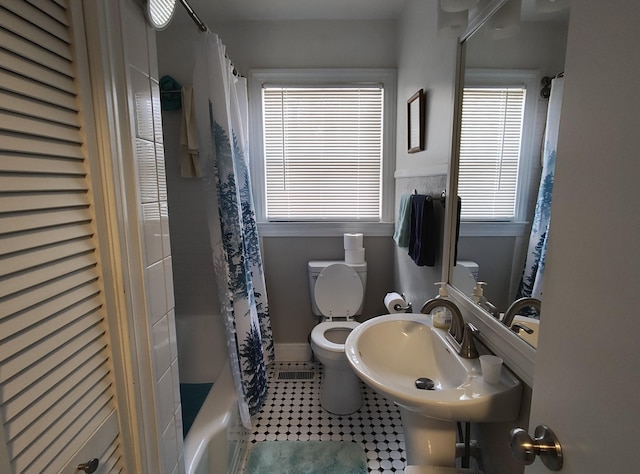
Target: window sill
point(324, 229)
point(493, 229)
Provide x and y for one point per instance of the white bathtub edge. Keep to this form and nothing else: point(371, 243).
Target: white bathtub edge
point(212, 421)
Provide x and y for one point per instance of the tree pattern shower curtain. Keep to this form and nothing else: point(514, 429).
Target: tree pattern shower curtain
point(533, 275)
point(222, 120)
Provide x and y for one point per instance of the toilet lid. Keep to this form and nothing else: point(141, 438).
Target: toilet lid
point(338, 291)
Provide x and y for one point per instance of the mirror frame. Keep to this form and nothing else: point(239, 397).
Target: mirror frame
point(517, 354)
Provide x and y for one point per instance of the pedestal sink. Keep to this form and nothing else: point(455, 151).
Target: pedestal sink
point(390, 353)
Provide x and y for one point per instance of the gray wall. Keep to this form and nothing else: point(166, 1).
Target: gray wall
point(426, 61)
point(258, 45)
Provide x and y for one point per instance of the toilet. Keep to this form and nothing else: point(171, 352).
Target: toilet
point(337, 295)
point(465, 276)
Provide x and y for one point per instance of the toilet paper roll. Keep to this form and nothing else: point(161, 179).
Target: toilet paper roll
point(354, 256)
point(353, 241)
point(393, 301)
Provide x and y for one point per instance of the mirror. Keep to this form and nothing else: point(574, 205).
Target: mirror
point(504, 58)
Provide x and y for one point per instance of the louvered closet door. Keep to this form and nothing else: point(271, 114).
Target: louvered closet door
point(56, 375)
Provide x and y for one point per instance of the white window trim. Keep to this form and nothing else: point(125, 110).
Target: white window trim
point(319, 77)
point(509, 77)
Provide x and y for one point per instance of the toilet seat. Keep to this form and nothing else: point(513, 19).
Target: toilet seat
point(319, 339)
point(338, 291)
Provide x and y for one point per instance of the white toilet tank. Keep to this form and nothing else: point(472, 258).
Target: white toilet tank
point(465, 276)
point(316, 266)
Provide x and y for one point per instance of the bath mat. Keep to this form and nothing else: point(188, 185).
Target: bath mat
point(308, 457)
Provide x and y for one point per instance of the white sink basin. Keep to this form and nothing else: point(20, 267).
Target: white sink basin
point(389, 353)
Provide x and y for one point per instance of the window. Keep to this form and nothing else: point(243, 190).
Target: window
point(323, 152)
point(319, 142)
point(496, 153)
point(490, 140)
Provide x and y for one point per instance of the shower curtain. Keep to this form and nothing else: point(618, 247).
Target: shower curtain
point(533, 275)
point(220, 99)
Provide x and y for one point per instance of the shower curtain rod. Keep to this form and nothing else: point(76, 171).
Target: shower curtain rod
point(203, 27)
point(196, 19)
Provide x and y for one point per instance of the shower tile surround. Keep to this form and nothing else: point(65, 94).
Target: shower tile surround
point(293, 412)
point(148, 149)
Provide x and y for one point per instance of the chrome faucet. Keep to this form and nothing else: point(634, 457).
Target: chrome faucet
point(516, 306)
point(491, 308)
point(460, 331)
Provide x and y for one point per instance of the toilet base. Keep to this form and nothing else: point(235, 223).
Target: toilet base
point(340, 391)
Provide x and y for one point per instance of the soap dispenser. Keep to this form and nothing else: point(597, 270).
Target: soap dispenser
point(478, 293)
point(482, 301)
point(441, 316)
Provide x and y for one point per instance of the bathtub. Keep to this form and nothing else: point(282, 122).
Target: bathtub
point(217, 441)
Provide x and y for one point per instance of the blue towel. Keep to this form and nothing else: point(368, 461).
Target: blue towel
point(403, 225)
point(423, 235)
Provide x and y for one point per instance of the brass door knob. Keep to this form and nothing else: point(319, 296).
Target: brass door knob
point(545, 444)
point(89, 467)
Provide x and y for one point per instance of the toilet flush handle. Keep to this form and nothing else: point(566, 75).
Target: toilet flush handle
point(545, 444)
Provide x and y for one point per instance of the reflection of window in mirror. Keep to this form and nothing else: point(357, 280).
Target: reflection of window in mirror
point(496, 147)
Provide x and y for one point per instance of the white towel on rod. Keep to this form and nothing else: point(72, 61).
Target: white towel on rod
point(189, 149)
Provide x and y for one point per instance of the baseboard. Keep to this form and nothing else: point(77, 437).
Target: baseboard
point(293, 352)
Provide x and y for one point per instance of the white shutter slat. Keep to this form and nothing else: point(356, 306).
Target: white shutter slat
point(24, 222)
point(35, 72)
point(35, 53)
point(41, 237)
point(39, 276)
point(40, 342)
point(40, 29)
point(31, 384)
point(41, 164)
point(52, 9)
point(21, 418)
point(51, 421)
point(38, 313)
point(21, 301)
point(104, 445)
point(35, 90)
point(13, 123)
point(61, 445)
point(34, 108)
point(31, 202)
point(44, 183)
point(22, 144)
point(56, 392)
point(45, 255)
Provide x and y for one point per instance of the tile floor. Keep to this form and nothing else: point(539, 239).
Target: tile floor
point(293, 412)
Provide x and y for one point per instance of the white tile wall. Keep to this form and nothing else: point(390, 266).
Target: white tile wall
point(145, 105)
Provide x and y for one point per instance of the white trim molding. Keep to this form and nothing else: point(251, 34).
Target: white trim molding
point(293, 352)
point(318, 77)
point(433, 170)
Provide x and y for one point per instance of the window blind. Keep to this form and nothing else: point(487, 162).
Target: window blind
point(491, 135)
point(323, 153)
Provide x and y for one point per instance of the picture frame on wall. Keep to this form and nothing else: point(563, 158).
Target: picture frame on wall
point(415, 122)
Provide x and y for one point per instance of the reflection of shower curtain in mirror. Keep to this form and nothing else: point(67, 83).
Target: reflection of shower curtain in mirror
point(532, 276)
point(221, 116)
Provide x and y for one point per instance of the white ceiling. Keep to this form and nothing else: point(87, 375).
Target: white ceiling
point(212, 11)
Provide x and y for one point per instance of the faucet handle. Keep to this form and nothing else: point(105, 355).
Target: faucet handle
point(468, 346)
